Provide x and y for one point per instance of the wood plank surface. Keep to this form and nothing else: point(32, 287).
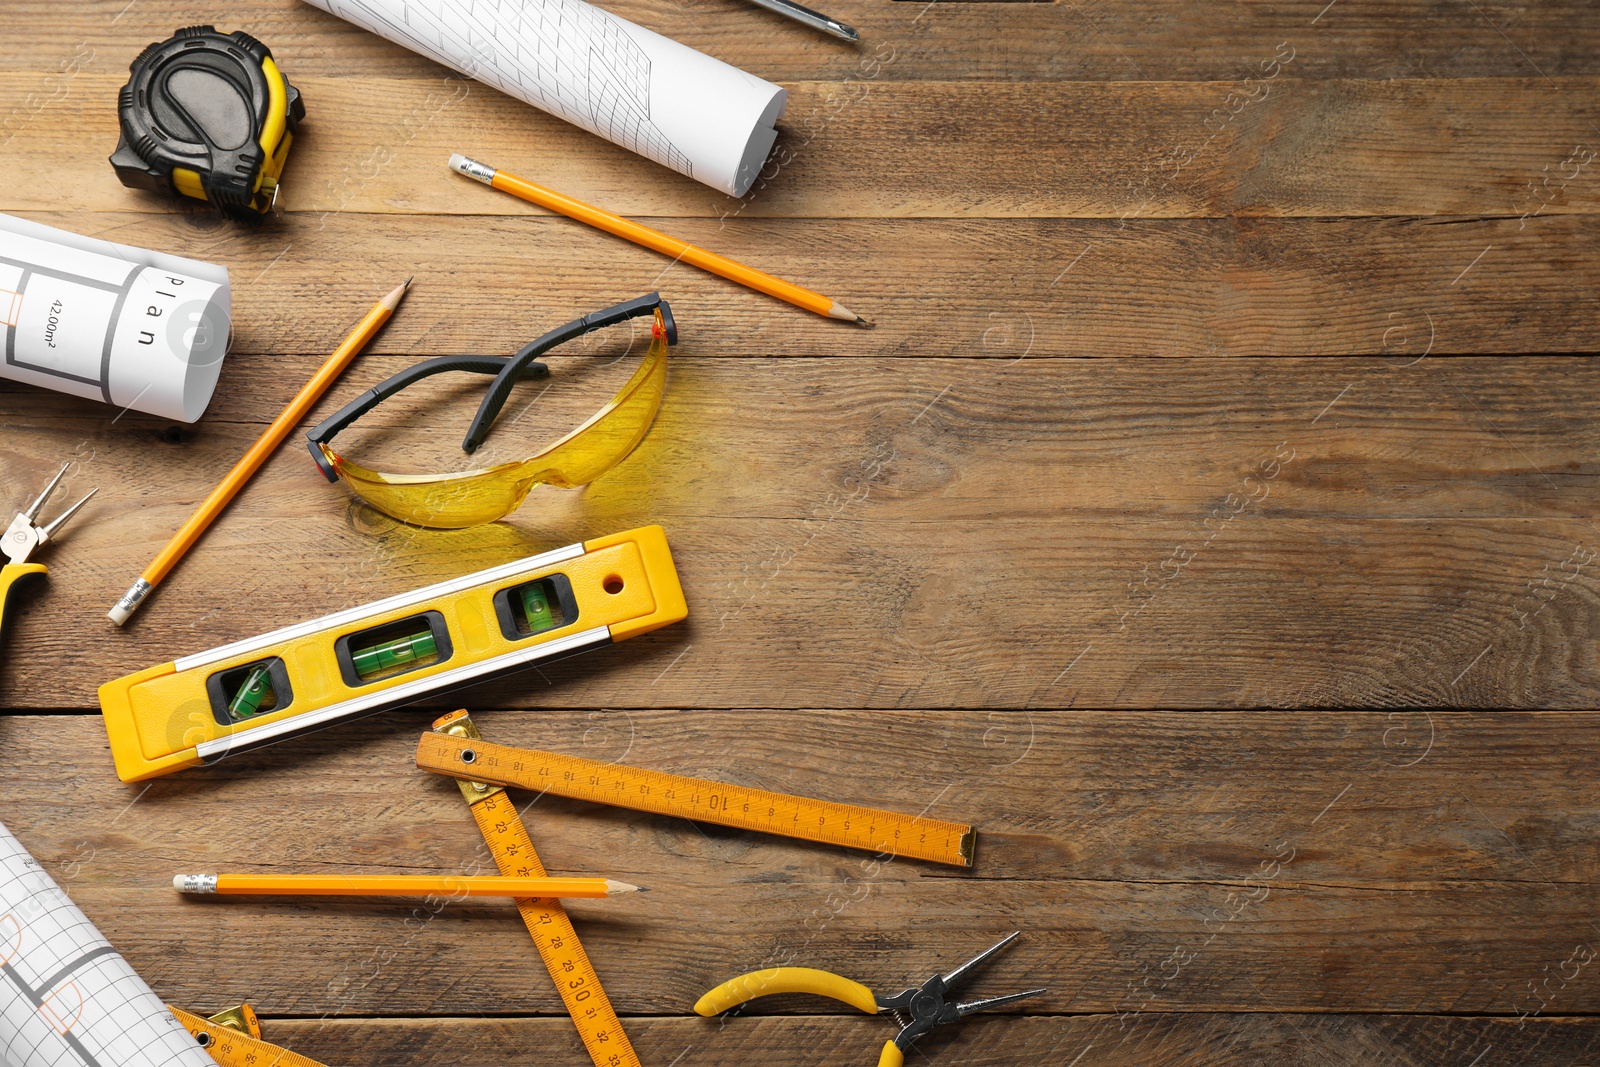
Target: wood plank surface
point(1398, 288)
point(1172, 862)
point(1149, 1040)
point(1262, 537)
point(1279, 146)
point(1112, 40)
point(989, 561)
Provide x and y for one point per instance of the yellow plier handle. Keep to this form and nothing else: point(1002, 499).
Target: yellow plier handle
point(10, 575)
point(786, 980)
point(797, 980)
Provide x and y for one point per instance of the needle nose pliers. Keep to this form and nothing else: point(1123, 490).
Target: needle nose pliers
point(24, 535)
point(917, 1010)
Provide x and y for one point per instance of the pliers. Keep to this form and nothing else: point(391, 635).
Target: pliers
point(24, 535)
point(917, 1010)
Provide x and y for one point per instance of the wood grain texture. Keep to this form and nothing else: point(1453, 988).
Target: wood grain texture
point(1266, 534)
point(1120, 40)
point(1154, 1040)
point(1399, 288)
point(1210, 861)
point(866, 148)
point(948, 565)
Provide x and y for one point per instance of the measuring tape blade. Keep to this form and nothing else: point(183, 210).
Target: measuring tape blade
point(547, 921)
point(884, 832)
point(231, 1048)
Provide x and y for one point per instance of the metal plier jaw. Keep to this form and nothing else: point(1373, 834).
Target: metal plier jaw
point(919, 1010)
point(25, 536)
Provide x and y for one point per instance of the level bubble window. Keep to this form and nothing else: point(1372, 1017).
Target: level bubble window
point(535, 607)
point(249, 691)
point(392, 649)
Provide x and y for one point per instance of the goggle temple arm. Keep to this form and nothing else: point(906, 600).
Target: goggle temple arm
point(325, 430)
point(500, 388)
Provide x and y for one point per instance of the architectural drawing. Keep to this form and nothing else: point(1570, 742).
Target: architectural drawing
point(651, 95)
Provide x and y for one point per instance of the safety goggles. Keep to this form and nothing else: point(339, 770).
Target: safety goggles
point(470, 498)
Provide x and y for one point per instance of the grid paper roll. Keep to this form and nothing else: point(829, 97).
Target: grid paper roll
point(67, 998)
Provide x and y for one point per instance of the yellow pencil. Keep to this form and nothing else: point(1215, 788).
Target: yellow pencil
point(398, 885)
point(265, 445)
point(654, 239)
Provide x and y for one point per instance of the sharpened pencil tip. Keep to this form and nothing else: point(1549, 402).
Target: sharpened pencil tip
point(614, 887)
point(392, 301)
point(844, 314)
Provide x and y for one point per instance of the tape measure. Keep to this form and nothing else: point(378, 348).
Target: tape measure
point(233, 1039)
point(209, 116)
point(884, 832)
point(398, 651)
point(547, 921)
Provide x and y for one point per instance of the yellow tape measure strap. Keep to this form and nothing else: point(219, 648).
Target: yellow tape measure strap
point(231, 1048)
point(851, 826)
point(555, 937)
point(547, 921)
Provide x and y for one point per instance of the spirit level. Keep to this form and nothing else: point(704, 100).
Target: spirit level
point(397, 651)
point(885, 832)
point(547, 921)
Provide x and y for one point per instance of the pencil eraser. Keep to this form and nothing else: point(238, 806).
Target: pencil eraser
point(130, 602)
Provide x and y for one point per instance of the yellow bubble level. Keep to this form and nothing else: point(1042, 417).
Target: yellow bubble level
point(397, 651)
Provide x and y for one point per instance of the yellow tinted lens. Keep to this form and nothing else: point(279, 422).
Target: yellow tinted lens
point(612, 432)
point(442, 501)
point(471, 498)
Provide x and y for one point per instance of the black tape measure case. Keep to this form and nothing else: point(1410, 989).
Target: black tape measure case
point(209, 116)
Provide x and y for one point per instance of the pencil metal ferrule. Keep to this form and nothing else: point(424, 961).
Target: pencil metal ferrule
point(471, 168)
point(130, 602)
point(195, 883)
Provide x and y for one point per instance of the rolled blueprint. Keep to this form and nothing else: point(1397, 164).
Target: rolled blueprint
point(133, 328)
point(638, 89)
point(67, 998)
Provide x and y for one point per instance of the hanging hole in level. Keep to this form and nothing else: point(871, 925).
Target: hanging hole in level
point(613, 585)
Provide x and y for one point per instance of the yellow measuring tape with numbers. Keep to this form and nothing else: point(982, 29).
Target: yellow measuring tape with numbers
point(233, 1038)
point(546, 919)
point(884, 832)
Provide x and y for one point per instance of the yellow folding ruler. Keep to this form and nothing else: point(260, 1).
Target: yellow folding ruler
point(546, 919)
point(884, 832)
point(233, 1038)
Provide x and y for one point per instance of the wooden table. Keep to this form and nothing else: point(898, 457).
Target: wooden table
point(1224, 377)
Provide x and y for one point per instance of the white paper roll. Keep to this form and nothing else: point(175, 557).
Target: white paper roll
point(134, 328)
point(638, 89)
point(67, 998)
